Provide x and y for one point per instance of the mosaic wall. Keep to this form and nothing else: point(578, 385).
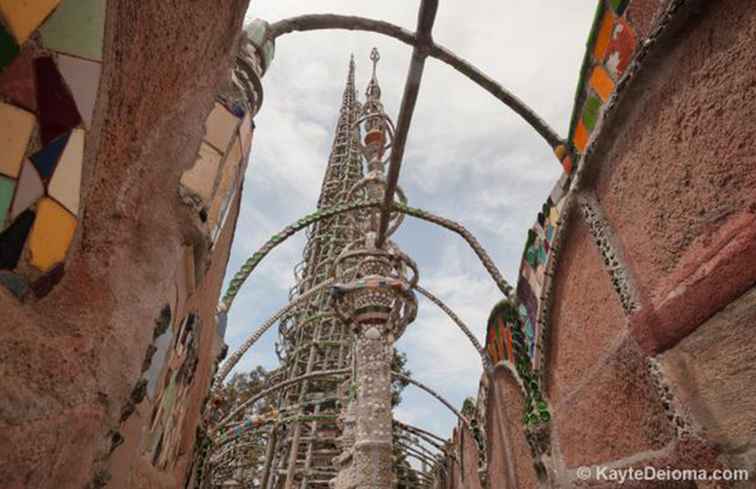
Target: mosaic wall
point(211, 184)
point(610, 48)
point(169, 385)
point(50, 64)
point(517, 329)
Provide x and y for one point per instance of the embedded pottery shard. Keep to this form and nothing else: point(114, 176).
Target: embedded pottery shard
point(51, 235)
point(30, 189)
point(12, 240)
point(47, 158)
point(8, 48)
point(7, 186)
point(17, 80)
point(17, 126)
point(23, 17)
point(83, 78)
point(66, 181)
point(77, 27)
point(57, 109)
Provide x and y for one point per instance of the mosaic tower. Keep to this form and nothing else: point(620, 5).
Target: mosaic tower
point(312, 337)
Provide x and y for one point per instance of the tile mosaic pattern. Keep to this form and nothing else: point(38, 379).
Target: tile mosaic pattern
point(50, 66)
point(175, 376)
point(516, 328)
point(211, 184)
point(611, 47)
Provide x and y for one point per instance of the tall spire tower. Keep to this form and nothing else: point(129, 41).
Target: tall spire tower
point(312, 338)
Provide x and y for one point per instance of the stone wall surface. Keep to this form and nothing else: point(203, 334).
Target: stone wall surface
point(74, 411)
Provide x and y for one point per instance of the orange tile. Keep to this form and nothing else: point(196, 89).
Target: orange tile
point(580, 138)
point(602, 83)
point(604, 36)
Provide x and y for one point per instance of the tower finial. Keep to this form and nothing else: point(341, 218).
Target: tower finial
point(375, 56)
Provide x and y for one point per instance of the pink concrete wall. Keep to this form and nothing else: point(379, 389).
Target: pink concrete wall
point(71, 361)
point(648, 349)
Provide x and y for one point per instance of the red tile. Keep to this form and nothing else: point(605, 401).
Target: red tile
point(17, 81)
point(57, 109)
point(621, 48)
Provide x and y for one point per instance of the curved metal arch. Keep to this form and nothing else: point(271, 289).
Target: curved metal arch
point(249, 266)
point(484, 358)
point(438, 397)
point(314, 22)
point(235, 357)
point(480, 442)
point(270, 390)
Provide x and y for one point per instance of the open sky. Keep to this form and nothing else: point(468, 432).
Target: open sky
point(468, 158)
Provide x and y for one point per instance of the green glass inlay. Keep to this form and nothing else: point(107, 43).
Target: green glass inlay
point(76, 27)
point(591, 112)
point(8, 48)
point(618, 6)
point(6, 196)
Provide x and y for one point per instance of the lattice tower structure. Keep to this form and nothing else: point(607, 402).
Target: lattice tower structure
point(312, 338)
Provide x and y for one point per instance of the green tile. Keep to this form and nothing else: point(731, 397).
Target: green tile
point(77, 27)
point(6, 196)
point(618, 6)
point(591, 111)
point(8, 48)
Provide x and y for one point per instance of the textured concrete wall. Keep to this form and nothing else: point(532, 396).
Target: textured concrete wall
point(71, 361)
point(648, 346)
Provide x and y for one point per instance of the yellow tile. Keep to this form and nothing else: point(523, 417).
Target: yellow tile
point(16, 127)
point(602, 83)
point(51, 235)
point(220, 127)
point(24, 16)
point(604, 36)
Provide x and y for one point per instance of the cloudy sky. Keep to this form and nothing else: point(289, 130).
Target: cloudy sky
point(468, 158)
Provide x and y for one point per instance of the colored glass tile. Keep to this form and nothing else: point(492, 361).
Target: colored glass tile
point(8, 48)
point(621, 48)
point(200, 179)
point(66, 181)
point(220, 127)
point(7, 186)
point(17, 81)
point(47, 158)
point(77, 27)
point(28, 191)
point(57, 109)
point(24, 16)
point(17, 126)
point(51, 235)
point(158, 360)
point(44, 284)
point(602, 83)
point(603, 36)
point(580, 138)
point(12, 240)
point(83, 79)
point(591, 112)
point(14, 282)
point(618, 6)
